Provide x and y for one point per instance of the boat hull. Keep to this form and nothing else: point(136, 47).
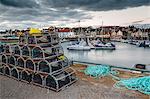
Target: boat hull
point(105, 48)
point(79, 48)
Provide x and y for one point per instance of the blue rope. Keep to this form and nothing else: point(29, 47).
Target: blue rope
point(99, 71)
point(141, 84)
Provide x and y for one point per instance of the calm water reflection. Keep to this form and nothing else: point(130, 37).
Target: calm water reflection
point(125, 55)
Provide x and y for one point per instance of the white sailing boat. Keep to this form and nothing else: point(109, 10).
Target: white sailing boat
point(81, 46)
point(103, 46)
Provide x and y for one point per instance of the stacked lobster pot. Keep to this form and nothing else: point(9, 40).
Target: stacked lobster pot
point(39, 60)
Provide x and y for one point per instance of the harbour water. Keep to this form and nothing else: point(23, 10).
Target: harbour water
point(125, 55)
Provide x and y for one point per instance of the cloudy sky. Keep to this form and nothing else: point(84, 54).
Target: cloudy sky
point(43, 13)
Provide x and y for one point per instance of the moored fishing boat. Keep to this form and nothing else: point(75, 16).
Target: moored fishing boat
point(125, 41)
point(81, 46)
point(143, 44)
point(103, 46)
point(133, 42)
point(78, 47)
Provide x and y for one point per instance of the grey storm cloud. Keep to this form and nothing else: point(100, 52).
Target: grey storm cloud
point(32, 12)
point(20, 3)
point(97, 5)
point(86, 4)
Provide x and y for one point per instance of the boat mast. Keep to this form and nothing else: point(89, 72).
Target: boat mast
point(102, 31)
point(79, 31)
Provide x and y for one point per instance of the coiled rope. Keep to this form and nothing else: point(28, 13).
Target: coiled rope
point(99, 71)
point(141, 84)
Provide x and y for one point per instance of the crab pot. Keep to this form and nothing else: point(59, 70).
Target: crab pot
point(21, 39)
point(31, 40)
point(58, 81)
point(45, 45)
point(26, 76)
point(54, 59)
point(30, 64)
point(65, 62)
point(56, 66)
point(7, 71)
point(1, 69)
point(20, 62)
point(15, 73)
point(1, 48)
point(42, 39)
point(44, 66)
point(71, 71)
point(4, 59)
point(7, 49)
point(26, 51)
point(11, 60)
point(55, 39)
point(17, 50)
point(49, 38)
point(49, 51)
point(0, 58)
point(37, 80)
point(37, 53)
point(60, 50)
